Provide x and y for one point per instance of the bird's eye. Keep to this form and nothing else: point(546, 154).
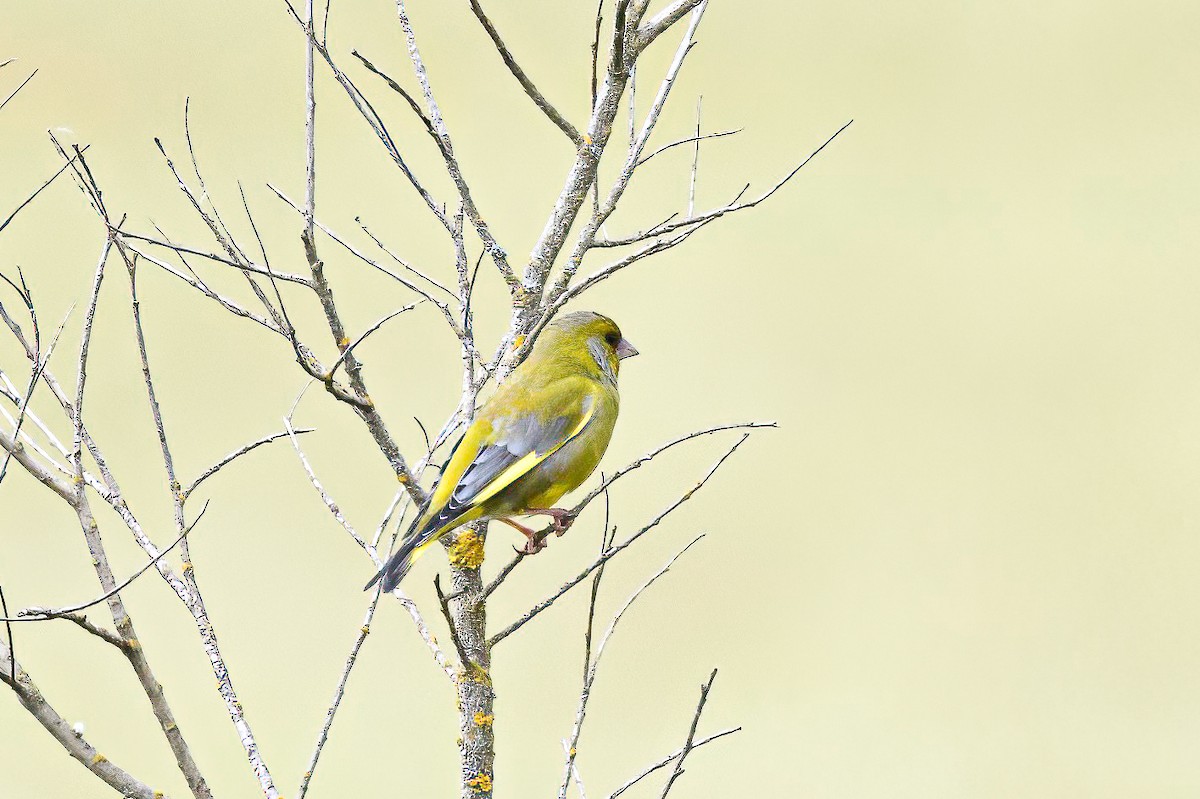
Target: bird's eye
point(613, 339)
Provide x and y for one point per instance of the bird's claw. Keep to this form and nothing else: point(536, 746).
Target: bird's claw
point(532, 546)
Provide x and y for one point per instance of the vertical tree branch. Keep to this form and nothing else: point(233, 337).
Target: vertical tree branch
point(132, 646)
point(585, 169)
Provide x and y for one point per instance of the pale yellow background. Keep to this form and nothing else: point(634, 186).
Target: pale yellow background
point(966, 564)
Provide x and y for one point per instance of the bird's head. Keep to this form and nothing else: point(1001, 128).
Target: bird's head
point(588, 338)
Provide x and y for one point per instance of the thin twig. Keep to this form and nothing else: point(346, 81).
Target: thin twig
point(39, 190)
point(310, 127)
point(243, 265)
point(312, 477)
point(695, 161)
point(224, 302)
point(237, 453)
point(668, 759)
point(12, 649)
point(689, 744)
point(453, 168)
point(338, 694)
point(720, 134)
point(530, 89)
point(101, 633)
point(373, 120)
point(444, 602)
point(378, 243)
point(46, 614)
point(612, 552)
point(593, 667)
point(541, 535)
point(573, 769)
point(728, 208)
point(370, 548)
point(22, 86)
point(369, 331)
point(447, 312)
point(638, 145)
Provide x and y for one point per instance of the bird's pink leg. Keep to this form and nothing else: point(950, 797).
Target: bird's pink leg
point(532, 545)
point(563, 519)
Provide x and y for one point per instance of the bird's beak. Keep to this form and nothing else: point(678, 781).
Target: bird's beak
point(625, 349)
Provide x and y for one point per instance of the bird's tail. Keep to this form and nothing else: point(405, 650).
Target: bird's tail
point(411, 548)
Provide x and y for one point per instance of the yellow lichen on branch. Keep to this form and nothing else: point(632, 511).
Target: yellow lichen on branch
point(481, 783)
point(467, 550)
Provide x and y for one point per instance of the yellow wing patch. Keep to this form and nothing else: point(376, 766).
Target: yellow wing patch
point(509, 475)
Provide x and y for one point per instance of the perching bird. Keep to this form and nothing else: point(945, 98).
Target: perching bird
point(539, 437)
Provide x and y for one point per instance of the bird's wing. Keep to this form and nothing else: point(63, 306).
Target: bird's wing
point(521, 442)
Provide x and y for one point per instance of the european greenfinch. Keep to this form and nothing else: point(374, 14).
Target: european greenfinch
point(539, 437)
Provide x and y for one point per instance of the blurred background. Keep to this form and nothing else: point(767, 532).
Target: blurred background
point(964, 565)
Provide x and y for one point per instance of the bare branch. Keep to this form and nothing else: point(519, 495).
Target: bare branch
point(426, 122)
point(101, 633)
point(39, 366)
point(199, 285)
point(582, 175)
point(360, 400)
point(12, 652)
point(8, 391)
point(312, 477)
point(22, 86)
point(573, 770)
point(717, 213)
point(612, 552)
point(310, 126)
point(660, 22)
point(441, 305)
point(237, 453)
point(39, 190)
point(695, 162)
point(452, 166)
point(697, 138)
point(369, 331)
point(571, 292)
point(689, 744)
point(399, 260)
point(28, 694)
point(530, 89)
point(373, 120)
point(444, 602)
point(216, 225)
point(39, 472)
point(668, 759)
point(607, 482)
point(583, 244)
point(46, 614)
point(370, 548)
point(338, 694)
point(241, 264)
point(593, 667)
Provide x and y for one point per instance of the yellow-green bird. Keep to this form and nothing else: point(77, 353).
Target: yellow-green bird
point(539, 437)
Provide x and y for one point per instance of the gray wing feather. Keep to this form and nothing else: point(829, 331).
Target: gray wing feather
point(520, 437)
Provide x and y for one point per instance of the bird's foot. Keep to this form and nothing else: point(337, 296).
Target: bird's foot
point(562, 519)
point(532, 544)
